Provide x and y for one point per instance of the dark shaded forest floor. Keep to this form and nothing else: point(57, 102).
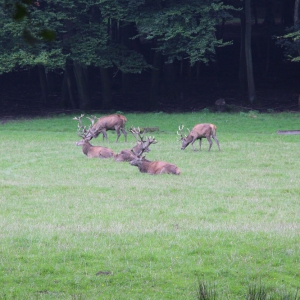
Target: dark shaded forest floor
point(277, 89)
point(277, 84)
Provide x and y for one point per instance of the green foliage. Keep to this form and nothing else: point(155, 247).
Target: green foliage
point(91, 32)
point(291, 43)
point(183, 30)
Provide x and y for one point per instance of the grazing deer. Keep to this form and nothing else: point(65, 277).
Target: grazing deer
point(198, 132)
point(141, 146)
point(112, 122)
point(95, 151)
point(154, 167)
point(87, 148)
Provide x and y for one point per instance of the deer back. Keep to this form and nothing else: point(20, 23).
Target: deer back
point(95, 151)
point(155, 167)
point(125, 155)
point(100, 152)
point(202, 130)
point(161, 167)
point(110, 122)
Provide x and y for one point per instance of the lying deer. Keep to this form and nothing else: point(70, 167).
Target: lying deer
point(198, 132)
point(87, 148)
point(154, 167)
point(95, 151)
point(141, 146)
point(112, 122)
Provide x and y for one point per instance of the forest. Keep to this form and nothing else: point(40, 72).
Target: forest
point(145, 55)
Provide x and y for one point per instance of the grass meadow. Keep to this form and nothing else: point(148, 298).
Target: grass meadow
point(80, 228)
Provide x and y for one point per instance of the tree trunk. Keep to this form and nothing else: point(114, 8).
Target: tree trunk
point(296, 25)
point(126, 83)
point(248, 52)
point(106, 89)
point(255, 13)
point(242, 64)
point(81, 81)
point(296, 14)
point(170, 82)
point(155, 76)
point(126, 29)
point(43, 83)
point(198, 70)
point(67, 95)
point(287, 10)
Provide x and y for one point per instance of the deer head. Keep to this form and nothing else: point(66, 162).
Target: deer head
point(142, 143)
point(183, 137)
point(86, 133)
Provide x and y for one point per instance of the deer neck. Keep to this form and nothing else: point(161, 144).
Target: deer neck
point(137, 149)
point(189, 138)
point(86, 147)
point(143, 166)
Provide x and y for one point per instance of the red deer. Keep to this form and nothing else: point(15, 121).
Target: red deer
point(95, 151)
point(112, 122)
point(198, 132)
point(87, 148)
point(155, 167)
point(141, 146)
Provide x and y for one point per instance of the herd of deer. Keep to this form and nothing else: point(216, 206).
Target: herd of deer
point(135, 155)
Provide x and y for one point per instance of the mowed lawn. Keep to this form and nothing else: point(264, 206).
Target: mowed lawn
point(80, 228)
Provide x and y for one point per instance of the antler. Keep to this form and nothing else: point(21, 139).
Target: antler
point(136, 132)
point(146, 144)
point(180, 133)
point(92, 119)
point(81, 131)
point(151, 140)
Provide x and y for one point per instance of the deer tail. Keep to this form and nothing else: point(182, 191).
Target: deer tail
point(123, 119)
point(214, 129)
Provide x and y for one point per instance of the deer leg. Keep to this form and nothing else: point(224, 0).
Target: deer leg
point(118, 134)
point(210, 143)
point(200, 141)
point(125, 134)
point(193, 141)
point(162, 171)
point(104, 134)
point(216, 140)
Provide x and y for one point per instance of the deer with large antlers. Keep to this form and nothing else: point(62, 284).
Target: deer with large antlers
point(88, 149)
point(141, 146)
point(199, 131)
point(154, 167)
point(103, 124)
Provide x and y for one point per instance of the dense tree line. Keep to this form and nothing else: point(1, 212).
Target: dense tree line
point(119, 38)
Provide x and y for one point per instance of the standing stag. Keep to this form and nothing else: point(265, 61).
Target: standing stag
point(155, 167)
point(112, 122)
point(198, 132)
point(141, 146)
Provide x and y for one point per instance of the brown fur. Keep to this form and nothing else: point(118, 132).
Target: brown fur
point(95, 151)
point(125, 155)
point(200, 131)
point(136, 151)
point(155, 167)
point(111, 122)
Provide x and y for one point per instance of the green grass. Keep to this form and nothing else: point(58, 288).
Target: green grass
point(231, 219)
